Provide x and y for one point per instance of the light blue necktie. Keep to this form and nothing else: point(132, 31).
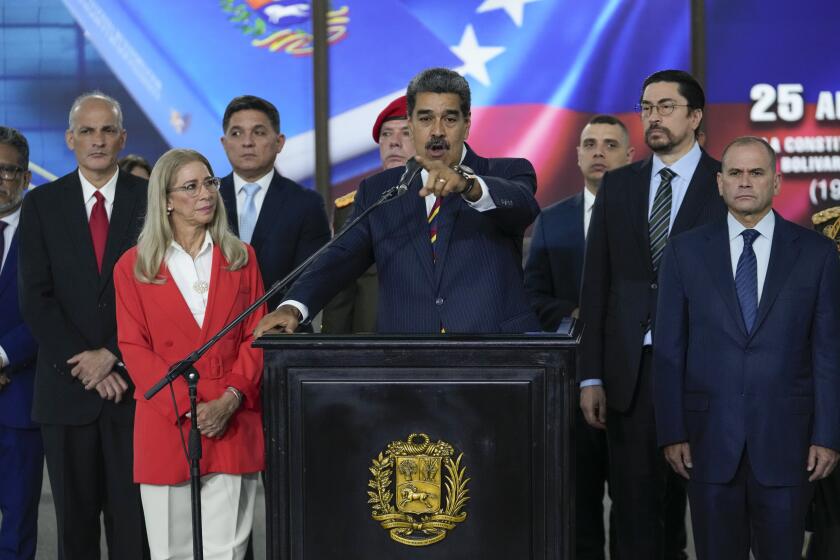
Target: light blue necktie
point(746, 280)
point(248, 218)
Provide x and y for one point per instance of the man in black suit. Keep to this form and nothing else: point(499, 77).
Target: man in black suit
point(638, 207)
point(72, 231)
point(283, 221)
point(552, 279)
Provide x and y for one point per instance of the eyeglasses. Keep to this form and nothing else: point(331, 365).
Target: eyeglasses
point(10, 172)
point(192, 188)
point(664, 108)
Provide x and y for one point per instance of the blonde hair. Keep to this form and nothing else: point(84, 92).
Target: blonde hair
point(156, 235)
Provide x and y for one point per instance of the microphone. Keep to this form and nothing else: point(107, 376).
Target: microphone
point(411, 170)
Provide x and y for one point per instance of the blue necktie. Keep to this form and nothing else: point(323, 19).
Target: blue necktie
point(248, 218)
point(746, 280)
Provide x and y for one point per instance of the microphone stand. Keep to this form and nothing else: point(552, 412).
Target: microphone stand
point(186, 367)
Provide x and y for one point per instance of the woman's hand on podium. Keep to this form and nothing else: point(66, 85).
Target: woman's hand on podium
point(286, 318)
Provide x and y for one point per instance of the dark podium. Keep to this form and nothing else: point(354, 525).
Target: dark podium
point(434, 447)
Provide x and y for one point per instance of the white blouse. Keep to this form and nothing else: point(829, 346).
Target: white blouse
point(192, 276)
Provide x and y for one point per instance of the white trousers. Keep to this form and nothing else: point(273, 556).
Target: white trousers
point(227, 514)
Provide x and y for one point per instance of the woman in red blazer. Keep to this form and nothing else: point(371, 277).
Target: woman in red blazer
point(187, 277)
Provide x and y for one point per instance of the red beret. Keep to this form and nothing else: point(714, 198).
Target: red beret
point(396, 109)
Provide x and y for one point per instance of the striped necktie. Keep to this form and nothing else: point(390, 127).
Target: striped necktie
point(746, 280)
point(660, 217)
point(433, 224)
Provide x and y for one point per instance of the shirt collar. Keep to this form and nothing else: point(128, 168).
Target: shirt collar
point(12, 219)
point(765, 226)
point(108, 190)
point(207, 245)
point(588, 199)
point(683, 167)
point(263, 182)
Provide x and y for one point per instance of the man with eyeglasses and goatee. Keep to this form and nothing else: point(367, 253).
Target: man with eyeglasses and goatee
point(72, 232)
point(637, 209)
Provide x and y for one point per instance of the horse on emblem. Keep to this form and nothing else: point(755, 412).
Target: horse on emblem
point(410, 494)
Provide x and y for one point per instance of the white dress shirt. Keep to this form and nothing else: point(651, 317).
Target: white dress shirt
point(108, 190)
point(761, 246)
point(241, 196)
point(188, 273)
point(12, 221)
point(588, 203)
point(684, 169)
point(483, 204)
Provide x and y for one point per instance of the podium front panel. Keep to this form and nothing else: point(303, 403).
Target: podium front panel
point(334, 404)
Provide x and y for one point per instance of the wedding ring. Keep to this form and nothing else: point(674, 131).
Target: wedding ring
point(441, 180)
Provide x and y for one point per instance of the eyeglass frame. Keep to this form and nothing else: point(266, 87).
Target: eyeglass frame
point(215, 185)
point(16, 174)
point(647, 109)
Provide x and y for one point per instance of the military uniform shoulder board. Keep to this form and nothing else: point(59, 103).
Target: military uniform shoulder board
point(345, 200)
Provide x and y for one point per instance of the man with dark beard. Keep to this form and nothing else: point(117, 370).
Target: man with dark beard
point(638, 208)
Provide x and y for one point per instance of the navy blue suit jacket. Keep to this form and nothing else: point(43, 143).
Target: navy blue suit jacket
point(17, 342)
point(291, 226)
point(775, 391)
point(476, 285)
point(555, 261)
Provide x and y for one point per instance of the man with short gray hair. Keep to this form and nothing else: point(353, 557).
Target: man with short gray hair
point(72, 231)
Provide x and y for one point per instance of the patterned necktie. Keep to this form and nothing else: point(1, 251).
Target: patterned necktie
point(98, 224)
point(746, 280)
point(248, 218)
point(2, 242)
point(660, 217)
point(433, 224)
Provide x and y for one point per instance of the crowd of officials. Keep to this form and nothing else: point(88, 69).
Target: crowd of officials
point(709, 371)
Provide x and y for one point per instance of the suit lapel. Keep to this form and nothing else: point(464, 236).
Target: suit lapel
point(9, 269)
point(78, 230)
point(228, 194)
point(719, 261)
point(577, 236)
point(696, 197)
point(223, 289)
point(450, 209)
point(783, 255)
point(416, 219)
point(173, 303)
point(122, 223)
point(637, 206)
point(272, 208)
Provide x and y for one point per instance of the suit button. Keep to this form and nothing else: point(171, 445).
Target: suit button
point(654, 286)
point(439, 301)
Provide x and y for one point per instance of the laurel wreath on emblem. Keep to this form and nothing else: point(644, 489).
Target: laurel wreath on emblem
point(431, 526)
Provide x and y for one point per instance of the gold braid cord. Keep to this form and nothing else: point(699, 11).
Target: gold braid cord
point(418, 529)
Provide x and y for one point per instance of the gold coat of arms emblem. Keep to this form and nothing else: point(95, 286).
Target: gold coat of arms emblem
point(418, 490)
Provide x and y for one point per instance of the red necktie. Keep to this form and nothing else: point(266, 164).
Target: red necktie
point(99, 228)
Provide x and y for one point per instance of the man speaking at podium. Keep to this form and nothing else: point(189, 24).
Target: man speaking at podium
point(449, 251)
